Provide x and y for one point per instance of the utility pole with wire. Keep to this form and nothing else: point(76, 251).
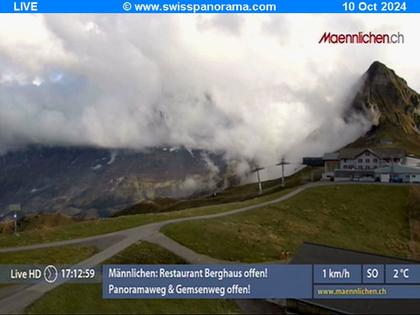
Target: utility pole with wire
point(257, 170)
point(283, 163)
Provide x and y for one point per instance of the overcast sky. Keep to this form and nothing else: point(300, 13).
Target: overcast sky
point(254, 86)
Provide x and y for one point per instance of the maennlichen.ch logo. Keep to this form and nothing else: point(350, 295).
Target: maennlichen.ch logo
point(362, 38)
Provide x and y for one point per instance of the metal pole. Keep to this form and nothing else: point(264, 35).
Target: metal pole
point(15, 215)
point(259, 182)
point(283, 163)
point(282, 173)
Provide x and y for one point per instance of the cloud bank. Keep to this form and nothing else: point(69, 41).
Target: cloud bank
point(256, 87)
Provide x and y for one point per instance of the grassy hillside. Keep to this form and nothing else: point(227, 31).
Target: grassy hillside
point(36, 222)
point(102, 226)
point(54, 255)
point(414, 215)
point(375, 139)
point(44, 220)
point(229, 195)
point(362, 217)
point(66, 298)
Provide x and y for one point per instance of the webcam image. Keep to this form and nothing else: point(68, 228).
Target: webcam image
point(209, 157)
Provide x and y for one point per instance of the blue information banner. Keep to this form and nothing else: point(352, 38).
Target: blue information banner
point(209, 6)
point(207, 281)
point(261, 281)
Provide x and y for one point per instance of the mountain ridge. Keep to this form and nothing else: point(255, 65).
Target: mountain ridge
point(391, 106)
point(96, 182)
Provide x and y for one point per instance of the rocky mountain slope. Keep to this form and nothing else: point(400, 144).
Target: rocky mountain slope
point(93, 182)
point(391, 106)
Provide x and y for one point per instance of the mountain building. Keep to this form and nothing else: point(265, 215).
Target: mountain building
point(368, 164)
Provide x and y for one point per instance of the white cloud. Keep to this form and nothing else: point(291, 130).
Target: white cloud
point(255, 86)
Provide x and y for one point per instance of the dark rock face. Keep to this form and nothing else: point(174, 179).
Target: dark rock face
point(95, 182)
point(385, 99)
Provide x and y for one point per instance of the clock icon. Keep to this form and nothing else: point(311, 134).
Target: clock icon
point(50, 274)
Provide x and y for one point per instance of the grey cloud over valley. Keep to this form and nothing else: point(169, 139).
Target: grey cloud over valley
point(256, 87)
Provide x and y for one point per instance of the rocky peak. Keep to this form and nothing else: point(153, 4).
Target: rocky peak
point(385, 98)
